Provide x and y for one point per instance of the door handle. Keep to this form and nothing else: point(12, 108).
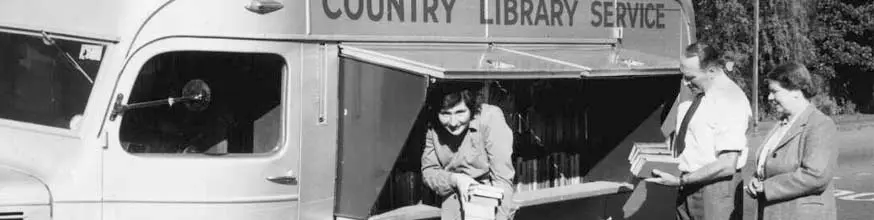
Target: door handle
point(288, 179)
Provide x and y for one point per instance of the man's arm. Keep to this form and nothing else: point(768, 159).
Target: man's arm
point(730, 143)
point(724, 166)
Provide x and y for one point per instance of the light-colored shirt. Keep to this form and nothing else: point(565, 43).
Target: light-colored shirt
point(488, 145)
point(719, 124)
point(776, 135)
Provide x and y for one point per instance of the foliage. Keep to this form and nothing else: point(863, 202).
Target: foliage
point(833, 38)
point(844, 34)
point(728, 26)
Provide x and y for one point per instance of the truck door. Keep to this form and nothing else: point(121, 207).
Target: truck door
point(232, 152)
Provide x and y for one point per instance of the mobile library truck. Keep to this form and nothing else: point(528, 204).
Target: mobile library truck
point(312, 109)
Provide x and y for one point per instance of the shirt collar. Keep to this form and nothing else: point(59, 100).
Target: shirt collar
point(719, 82)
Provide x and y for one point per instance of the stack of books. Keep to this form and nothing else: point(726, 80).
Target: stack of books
point(645, 157)
point(485, 195)
point(482, 202)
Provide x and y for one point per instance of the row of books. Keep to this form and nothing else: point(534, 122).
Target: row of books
point(645, 157)
point(552, 170)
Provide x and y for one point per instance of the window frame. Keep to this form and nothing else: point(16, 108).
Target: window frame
point(125, 83)
point(199, 54)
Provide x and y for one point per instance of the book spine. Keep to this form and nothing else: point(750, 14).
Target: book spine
point(578, 178)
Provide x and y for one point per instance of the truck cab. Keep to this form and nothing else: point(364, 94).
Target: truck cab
point(287, 109)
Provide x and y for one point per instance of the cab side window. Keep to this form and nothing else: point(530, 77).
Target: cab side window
point(242, 115)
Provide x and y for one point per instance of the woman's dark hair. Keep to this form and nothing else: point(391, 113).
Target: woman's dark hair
point(793, 76)
point(448, 94)
point(707, 55)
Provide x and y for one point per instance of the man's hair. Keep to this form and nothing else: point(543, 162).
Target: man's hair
point(793, 76)
point(449, 94)
point(707, 56)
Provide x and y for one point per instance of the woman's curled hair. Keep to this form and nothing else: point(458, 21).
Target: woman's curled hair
point(448, 94)
point(793, 76)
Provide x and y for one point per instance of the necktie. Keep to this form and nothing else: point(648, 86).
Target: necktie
point(680, 141)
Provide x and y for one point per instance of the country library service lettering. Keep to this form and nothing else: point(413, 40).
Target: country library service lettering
point(502, 12)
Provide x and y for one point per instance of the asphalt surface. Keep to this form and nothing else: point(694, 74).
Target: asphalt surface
point(854, 178)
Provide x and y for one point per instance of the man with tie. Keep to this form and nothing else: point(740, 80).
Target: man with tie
point(710, 142)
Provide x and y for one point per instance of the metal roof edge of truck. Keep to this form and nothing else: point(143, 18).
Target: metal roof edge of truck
point(136, 23)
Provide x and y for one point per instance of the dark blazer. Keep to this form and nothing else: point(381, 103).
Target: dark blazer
point(798, 173)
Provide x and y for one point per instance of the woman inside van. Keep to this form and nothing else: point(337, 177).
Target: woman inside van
point(468, 143)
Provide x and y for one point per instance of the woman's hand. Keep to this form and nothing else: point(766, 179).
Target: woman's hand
point(754, 188)
point(463, 183)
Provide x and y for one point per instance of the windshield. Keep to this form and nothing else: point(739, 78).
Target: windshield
point(40, 85)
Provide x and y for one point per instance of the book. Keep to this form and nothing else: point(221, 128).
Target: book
point(649, 148)
point(643, 167)
point(646, 156)
point(641, 159)
point(473, 211)
point(640, 155)
point(486, 191)
point(482, 202)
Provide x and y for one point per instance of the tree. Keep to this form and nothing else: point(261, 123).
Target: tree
point(727, 25)
point(844, 34)
point(833, 38)
point(784, 38)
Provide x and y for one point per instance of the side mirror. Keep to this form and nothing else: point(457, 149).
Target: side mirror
point(196, 96)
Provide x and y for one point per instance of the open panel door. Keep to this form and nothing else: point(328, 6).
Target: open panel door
point(606, 61)
point(461, 61)
point(481, 61)
point(378, 109)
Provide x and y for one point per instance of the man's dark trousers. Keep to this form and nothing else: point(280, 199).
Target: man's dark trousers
point(717, 200)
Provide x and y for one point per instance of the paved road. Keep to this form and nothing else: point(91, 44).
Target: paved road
point(855, 176)
point(854, 179)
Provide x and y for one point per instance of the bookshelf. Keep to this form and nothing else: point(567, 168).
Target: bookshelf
point(562, 130)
